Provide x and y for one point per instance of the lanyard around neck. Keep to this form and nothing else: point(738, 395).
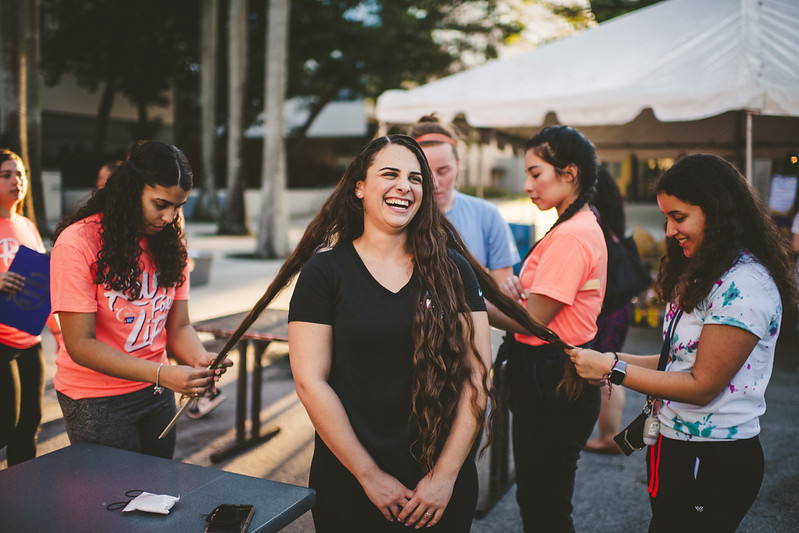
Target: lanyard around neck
point(666, 347)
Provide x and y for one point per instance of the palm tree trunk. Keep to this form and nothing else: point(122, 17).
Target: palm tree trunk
point(20, 107)
point(233, 220)
point(34, 203)
point(207, 206)
point(104, 112)
point(273, 227)
point(143, 122)
point(9, 74)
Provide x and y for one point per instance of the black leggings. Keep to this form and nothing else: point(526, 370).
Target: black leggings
point(342, 504)
point(129, 421)
point(21, 390)
point(549, 431)
point(702, 486)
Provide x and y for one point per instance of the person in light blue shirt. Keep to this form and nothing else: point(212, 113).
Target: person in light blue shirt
point(484, 231)
point(479, 222)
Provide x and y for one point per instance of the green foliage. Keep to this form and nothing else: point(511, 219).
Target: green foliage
point(607, 9)
point(337, 48)
point(369, 46)
point(137, 47)
point(360, 48)
point(580, 17)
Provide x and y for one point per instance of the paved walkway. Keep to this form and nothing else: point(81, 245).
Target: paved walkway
point(610, 494)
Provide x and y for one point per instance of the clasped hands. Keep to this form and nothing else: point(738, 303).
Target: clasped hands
point(422, 507)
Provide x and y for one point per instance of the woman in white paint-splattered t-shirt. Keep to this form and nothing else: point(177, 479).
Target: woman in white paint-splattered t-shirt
point(727, 273)
point(747, 298)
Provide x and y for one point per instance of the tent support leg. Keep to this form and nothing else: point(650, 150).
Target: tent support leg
point(749, 176)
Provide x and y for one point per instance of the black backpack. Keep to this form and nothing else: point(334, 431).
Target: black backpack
point(627, 277)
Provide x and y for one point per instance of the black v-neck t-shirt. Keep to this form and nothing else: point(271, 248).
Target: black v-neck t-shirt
point(372, 347)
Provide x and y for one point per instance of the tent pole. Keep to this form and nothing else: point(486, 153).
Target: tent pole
point(749, 176)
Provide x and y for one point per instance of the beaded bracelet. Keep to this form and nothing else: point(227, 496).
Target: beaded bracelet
point(158, 389)
point(606, 376)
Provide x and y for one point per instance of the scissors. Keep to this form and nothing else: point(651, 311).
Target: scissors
point(116, 506)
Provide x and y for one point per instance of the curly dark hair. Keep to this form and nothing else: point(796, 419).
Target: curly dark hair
point(118, 264)
point(441, 347)
point(561, 146)
point(735, 219)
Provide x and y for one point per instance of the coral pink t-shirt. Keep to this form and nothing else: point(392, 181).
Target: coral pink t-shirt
point(16, 231)
point(569, 265)
point(133, 327)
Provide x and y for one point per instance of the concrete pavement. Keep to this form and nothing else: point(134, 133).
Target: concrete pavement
point(610, 493)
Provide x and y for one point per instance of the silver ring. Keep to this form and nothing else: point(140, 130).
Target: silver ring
point(427, 513)
point(196, 391)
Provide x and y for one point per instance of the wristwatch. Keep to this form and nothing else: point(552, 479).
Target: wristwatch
point(618, 373)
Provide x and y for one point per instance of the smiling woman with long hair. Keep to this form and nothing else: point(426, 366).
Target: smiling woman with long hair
point(389, 326)
point(390, 348)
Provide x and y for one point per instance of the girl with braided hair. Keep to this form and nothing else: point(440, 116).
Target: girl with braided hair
point(119, 284)
point(561, 284)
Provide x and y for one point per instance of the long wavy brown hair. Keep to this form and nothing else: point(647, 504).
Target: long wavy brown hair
point(118, 263)
point(443, 344)
point(735, 219)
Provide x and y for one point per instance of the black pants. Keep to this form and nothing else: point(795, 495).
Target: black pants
point(342, 504)
point(21, 392)
point(548, 433)
point(702, 486)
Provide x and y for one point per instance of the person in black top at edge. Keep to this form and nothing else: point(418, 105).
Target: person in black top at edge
point(390, 348)
point(613, 322)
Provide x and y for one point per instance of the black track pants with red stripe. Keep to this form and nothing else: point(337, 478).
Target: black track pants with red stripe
point(702, 486)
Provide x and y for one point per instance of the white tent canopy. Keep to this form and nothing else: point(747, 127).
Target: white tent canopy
point(684, 59)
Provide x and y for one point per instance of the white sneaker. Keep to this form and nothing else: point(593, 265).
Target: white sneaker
point(206, 404)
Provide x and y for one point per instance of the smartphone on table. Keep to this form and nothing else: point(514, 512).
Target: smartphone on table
point(229, 518)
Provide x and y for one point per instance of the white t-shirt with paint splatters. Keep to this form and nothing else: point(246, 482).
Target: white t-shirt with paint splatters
point(745, 297)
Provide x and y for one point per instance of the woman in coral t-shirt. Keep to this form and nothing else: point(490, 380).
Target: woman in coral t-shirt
point(561, 284)
point(21, 357)
point(120, 287)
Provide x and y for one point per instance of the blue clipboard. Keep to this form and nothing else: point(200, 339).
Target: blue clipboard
point(28, 309)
